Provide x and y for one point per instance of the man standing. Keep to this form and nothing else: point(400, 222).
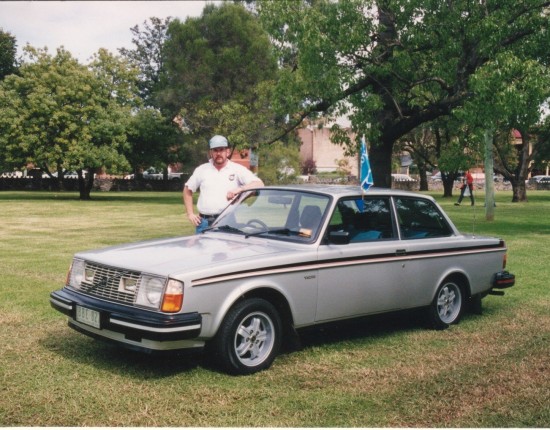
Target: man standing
point(468, 184)
point(219, 181)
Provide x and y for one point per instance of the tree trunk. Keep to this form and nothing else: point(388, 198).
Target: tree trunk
point(165, 180)
point(423, 180)
point(448, 184)
point(380, 163)
point(517, 174)
point(489, 182)
point(422, 175)
point(519, 191)
point(85, 184)
point(60, 180)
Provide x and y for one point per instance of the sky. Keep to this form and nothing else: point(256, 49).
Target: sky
point(82, 27)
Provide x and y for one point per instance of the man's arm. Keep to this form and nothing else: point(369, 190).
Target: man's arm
point(188, 203)
point(256, 183)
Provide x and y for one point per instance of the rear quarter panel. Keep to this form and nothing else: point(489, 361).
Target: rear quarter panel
point(476, 259)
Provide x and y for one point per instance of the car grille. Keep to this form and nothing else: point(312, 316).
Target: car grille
point(106, 283)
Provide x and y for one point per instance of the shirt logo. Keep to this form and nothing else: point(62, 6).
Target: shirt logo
point(232, 177)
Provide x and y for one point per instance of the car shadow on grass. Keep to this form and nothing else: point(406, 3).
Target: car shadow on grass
point(83, 350)
point(102, 355)
point(373, 326)
point(367, 328)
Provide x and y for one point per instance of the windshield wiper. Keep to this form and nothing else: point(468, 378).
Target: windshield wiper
point(231, 229)
point(227, 228)
point(282, 231)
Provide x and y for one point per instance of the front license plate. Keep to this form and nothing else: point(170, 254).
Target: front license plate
point(88, 316)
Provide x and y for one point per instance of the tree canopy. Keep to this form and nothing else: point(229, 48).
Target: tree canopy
point(154, 141)
point(542, 156)
point(392, 65)
point(8, 51)
point(509, 93)
point(147, 56)
point(216, 68)
point(58, 115)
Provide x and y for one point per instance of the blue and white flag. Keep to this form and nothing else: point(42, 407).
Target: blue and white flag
point(366, 173)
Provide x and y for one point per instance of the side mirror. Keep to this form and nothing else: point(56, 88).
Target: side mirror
point(339, 237)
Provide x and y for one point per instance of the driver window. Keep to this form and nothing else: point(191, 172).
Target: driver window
point(365, 219)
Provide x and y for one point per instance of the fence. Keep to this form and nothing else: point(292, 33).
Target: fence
point(100, 184)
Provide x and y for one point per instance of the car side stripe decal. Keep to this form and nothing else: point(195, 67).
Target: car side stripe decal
point(326, 264)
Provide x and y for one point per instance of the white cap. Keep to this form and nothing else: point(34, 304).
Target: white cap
point(218, 142)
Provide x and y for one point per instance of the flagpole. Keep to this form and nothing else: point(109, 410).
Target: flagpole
point(361, 166)
point(365, 170)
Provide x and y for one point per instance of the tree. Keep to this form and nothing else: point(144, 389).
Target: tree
point(420, 144)
point(542, 155)
point(153, 141)
point(444, 144)
point(219, 71)
point(148, 56)
point(8, 51)
point(60, 115)
point(509, 93)
point(392, 65)
point(280, 163)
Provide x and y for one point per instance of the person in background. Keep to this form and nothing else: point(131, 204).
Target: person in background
point(467, 184)
point(218, 182)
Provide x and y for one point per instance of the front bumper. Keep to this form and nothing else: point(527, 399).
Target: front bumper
point(132, 327)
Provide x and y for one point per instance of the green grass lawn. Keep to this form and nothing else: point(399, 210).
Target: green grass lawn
point(491, 370)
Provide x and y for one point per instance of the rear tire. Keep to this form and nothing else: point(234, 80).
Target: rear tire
point(447, 305)
point(249, 337)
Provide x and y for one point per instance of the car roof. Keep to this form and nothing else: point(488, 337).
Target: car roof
point(339, 191)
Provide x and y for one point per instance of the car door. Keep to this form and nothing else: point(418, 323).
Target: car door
point(367, 274)
point(425, 239)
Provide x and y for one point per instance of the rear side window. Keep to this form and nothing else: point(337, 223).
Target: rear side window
point(420, 219)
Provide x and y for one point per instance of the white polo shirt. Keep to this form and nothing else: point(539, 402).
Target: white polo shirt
point(214, 184)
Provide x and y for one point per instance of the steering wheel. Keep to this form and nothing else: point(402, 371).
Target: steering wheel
point(256, 222)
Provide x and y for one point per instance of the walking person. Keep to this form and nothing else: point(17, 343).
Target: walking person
point(467, 188)
point(218, 182)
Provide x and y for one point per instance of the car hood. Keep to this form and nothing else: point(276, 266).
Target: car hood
point(170, 257)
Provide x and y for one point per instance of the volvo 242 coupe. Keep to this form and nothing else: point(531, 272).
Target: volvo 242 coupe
point(277, 260)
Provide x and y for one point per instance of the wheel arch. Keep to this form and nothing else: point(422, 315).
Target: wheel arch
point(461, 280)
point(446, 308)
point(277, 299)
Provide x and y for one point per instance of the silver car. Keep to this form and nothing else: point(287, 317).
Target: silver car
point(277, 260)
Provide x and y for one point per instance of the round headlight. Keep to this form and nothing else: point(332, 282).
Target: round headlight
point(77, 273)
point(150, 291)
point(153, 290)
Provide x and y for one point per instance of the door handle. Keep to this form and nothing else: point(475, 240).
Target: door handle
point(400, 252)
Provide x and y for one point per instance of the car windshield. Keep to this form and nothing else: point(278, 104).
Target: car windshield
point(280, 214)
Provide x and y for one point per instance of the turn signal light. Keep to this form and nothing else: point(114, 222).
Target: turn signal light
point(173, 297)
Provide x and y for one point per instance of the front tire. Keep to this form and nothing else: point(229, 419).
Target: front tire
point(249, 337)
point(447, 305)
